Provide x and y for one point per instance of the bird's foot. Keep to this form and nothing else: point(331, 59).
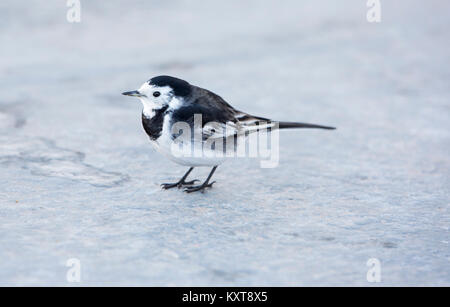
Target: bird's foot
point(201, 187)
point(178, 184)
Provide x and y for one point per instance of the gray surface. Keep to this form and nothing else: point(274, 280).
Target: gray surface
point(80, 179)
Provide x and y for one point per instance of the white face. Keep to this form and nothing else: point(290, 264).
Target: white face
point(154, 97)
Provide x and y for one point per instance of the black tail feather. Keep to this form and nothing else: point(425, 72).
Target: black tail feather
point(286, 125)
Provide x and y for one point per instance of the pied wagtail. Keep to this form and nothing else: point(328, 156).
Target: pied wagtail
point(168, 100)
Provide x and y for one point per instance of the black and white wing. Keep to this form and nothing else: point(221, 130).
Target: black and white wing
point(221, 120)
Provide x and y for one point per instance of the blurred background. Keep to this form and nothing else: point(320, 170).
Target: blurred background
point(79, 178)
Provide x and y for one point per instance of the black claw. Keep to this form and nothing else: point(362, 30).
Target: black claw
point(191, 182)
point(167, 186)
point(201, 188)
point(178, 184)
point(191, 189)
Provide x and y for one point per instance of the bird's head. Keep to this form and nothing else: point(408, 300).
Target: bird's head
point(161, 91)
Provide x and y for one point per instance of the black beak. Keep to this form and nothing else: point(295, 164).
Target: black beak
point(132, 93)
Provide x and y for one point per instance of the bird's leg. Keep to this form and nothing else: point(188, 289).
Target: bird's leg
point(204, 185)
point(180, 183)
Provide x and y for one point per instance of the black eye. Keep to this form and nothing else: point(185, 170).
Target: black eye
point(156, 94)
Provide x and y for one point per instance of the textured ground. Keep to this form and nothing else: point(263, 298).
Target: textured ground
point(79, 179)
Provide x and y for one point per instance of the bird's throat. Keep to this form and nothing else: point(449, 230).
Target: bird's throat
point(153, 125)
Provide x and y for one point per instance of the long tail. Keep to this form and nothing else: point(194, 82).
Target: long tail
point(251, 122)
point(286, 125)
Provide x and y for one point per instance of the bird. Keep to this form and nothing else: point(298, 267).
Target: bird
point(169, 100)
